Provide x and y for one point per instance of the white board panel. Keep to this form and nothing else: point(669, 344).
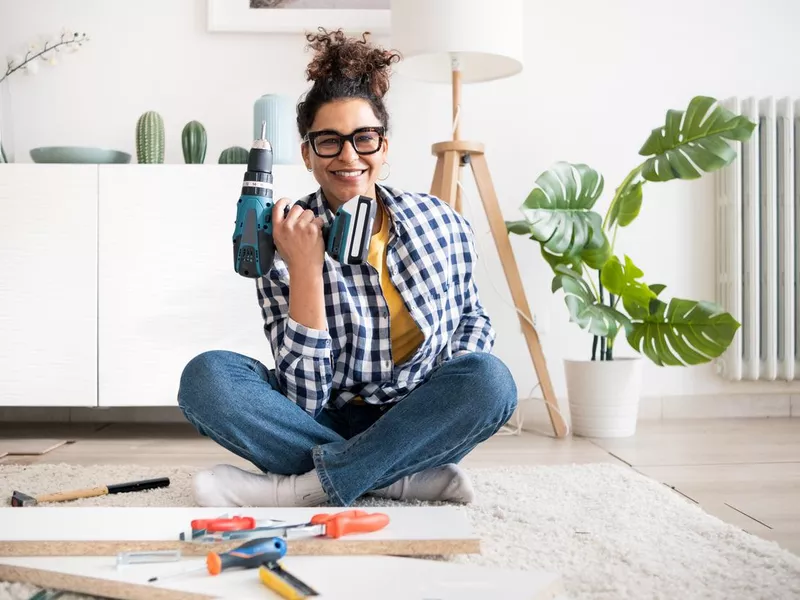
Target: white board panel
point(333, 577)
point(140, 524)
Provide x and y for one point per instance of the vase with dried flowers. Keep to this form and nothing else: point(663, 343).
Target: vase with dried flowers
point(36, 53)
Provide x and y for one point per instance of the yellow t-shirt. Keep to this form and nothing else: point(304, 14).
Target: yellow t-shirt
point(405, 334)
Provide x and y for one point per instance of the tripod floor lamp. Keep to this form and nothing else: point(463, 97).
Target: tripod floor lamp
point(465, 41)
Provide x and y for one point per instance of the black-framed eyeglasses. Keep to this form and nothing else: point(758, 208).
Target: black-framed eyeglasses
point(329, 143)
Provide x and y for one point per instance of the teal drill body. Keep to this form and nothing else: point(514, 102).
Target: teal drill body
point(346, 238)
point(253, 247)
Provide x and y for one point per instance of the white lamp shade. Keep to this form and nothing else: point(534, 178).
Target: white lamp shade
point(485, 36)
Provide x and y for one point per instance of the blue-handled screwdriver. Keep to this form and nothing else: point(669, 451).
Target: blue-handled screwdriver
point(249, 555)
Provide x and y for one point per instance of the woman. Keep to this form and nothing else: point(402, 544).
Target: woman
point(384, 379)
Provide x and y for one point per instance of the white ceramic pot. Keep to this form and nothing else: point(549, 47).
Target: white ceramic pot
point(604, 396)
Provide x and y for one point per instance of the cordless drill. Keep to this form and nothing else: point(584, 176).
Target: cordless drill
point(346, 238)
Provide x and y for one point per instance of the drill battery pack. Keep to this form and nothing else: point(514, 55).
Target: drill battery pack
point(346, 238)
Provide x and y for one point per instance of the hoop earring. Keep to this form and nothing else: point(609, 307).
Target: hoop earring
point(387, 173)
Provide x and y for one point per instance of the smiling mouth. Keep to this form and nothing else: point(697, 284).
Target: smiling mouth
point(349, 173)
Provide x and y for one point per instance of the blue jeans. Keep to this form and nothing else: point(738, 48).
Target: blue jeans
point(234, 400)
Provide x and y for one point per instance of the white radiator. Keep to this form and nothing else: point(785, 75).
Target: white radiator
point(758, 243)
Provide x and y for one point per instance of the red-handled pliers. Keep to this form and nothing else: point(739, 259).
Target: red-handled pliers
point(332, 525)
point(346, 522)
point(202, 527)
point(227, 524)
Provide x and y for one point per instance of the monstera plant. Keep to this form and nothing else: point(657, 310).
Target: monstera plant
point(607, 294)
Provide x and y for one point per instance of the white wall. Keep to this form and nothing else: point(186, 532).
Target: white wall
point(599, 76)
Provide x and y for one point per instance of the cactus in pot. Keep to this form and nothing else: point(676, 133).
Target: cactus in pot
point(150, 138)
point(194, 142)
point(235, 155)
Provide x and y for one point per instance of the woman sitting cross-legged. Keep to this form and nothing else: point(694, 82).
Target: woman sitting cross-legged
point(384, 378)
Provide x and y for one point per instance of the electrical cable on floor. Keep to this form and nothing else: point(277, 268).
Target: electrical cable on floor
point(519, 420)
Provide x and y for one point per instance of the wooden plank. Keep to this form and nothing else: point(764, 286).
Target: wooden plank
point(94, 586)
point(333, 577)
point(99, 531)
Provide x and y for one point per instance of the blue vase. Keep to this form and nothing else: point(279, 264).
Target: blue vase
point(279, 113)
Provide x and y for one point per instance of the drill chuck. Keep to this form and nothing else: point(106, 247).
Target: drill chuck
point(258, 178)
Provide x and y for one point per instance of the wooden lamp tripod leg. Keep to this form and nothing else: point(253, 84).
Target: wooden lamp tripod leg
point(445, 179)
point(445, 187)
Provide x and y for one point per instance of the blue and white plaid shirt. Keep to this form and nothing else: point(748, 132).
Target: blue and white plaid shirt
point(430, 259)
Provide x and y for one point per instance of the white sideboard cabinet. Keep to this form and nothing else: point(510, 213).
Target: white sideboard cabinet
point(48, 285)
point(114, 276)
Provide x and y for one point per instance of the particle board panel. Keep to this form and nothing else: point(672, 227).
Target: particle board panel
point(89, 584)
point(333, 577)
point(100, 531)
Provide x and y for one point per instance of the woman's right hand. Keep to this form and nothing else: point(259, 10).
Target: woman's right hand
point(298, 237)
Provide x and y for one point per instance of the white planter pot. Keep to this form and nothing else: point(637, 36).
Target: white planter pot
point(604, 396)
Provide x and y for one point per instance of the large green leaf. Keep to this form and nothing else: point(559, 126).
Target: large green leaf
point(623, 280)
point(693, 141)
point(584, 308)
point(554, 260)
point(596, 256)
point(683, 332)
point(559, 212)
point(637, 311)
point(627, 206)
point(519, 227)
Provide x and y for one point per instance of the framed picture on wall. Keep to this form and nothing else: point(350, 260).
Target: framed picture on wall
point(299, 16)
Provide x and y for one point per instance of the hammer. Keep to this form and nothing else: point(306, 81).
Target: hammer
point(20, 499)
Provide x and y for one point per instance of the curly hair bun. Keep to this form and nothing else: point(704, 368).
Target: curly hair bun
point(337, 56)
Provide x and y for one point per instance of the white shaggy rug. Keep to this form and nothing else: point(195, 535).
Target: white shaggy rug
point(611, 532)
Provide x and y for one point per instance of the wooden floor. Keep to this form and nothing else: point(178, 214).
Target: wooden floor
point(744, 471)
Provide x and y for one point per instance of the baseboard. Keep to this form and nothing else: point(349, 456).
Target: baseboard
point(121, 414)
point(532, 411)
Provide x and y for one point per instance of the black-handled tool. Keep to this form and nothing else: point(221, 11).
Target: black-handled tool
point(20, 499)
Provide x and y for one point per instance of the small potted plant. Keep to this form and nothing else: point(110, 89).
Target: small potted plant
point(605, 294)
